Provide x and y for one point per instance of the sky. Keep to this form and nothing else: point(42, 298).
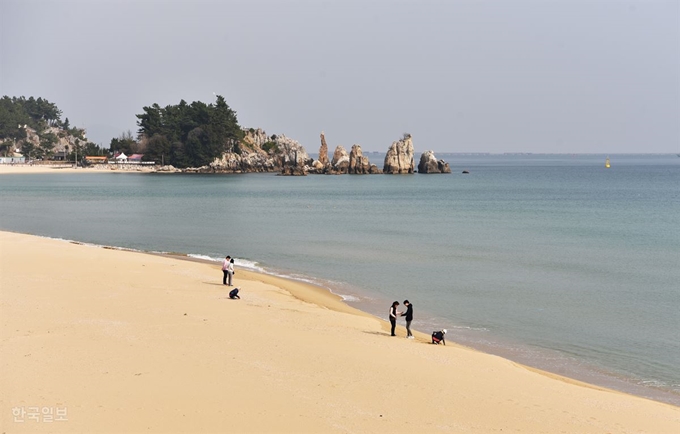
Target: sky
point(494, 76)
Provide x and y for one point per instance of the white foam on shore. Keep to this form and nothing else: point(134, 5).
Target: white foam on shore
point(203, 257)
point(349, 297)
point(249, 265)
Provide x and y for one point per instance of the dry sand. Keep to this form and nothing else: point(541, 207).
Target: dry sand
point(27, 168)
point(130, 342)
point(7, 169)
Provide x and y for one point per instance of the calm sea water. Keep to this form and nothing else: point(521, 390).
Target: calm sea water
point(553, 261)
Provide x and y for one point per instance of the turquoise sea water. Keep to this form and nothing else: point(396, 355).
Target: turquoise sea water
point(550, 260)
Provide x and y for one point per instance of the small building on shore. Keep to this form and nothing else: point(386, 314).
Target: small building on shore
point(60, 156)
point(13, 160)
point(95, 159)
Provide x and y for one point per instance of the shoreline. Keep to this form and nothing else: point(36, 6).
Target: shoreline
point(156, 345)
point(324, 296)
point(586, 373)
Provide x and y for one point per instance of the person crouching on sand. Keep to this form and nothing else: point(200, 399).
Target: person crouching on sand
point(225, 270)
point(393, 316)
point(438, 337)
point(233, 294)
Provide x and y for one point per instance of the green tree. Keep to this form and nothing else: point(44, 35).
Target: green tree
point(124, 143)
point(29, 150)
point(189, 134)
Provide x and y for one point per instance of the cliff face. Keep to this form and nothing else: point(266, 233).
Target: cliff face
point(399, 157)
point(51, 140)
point(291, 153)
point(261, 153)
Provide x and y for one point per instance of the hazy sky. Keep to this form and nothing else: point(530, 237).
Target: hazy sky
point(460, 76)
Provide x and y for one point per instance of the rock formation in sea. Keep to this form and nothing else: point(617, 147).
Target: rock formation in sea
point(430, 164)
point(358, 163)
point(340, 161)
point(444, 166)
point(323, 152)
point(291, 153)
point(399, 157)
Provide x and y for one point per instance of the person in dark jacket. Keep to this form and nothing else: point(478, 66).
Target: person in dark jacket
point(393, 316)
point(409, 317)
point(233, 294)
point(438, 337)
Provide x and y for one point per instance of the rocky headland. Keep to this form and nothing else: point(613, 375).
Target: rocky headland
point(260, 152)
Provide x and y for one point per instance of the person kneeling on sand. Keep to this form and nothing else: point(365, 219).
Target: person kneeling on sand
point(438, 337)
point(233, 294)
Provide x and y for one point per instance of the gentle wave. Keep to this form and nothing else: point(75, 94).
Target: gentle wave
point(204, 257)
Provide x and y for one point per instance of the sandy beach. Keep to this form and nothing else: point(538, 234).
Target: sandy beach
point(66, 168)
point(37, 168)
point(125, 342)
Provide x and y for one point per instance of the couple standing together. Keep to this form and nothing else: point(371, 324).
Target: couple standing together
point(394, 313)
point(228, 270)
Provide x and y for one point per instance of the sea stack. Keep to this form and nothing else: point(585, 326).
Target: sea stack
point(399, 157)
point(430, 164)
point(340, 162)
point(358, 163)
point(323, 152)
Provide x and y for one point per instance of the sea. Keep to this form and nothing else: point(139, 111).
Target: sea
point(552, 261)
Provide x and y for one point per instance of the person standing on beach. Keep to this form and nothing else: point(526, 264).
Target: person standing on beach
point(409, 317)
point(225, 269)
point(393, 316)
point(230, 271)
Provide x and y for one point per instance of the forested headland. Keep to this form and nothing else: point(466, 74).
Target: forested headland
point(191, 137)
point(34, 128)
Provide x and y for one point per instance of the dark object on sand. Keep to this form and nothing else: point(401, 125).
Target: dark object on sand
point(438, 337)
point(233, 294)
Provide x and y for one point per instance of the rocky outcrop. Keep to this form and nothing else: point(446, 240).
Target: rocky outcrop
point(243, 163)
point(60, 140)
point(323, 152)
point(258, 152)
point(340, 161)
point(399, 157)
point(293, 171)
point(167, 169)
point(255, 138)
point(291, 154)
point(358, 163)
point(430, 164)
